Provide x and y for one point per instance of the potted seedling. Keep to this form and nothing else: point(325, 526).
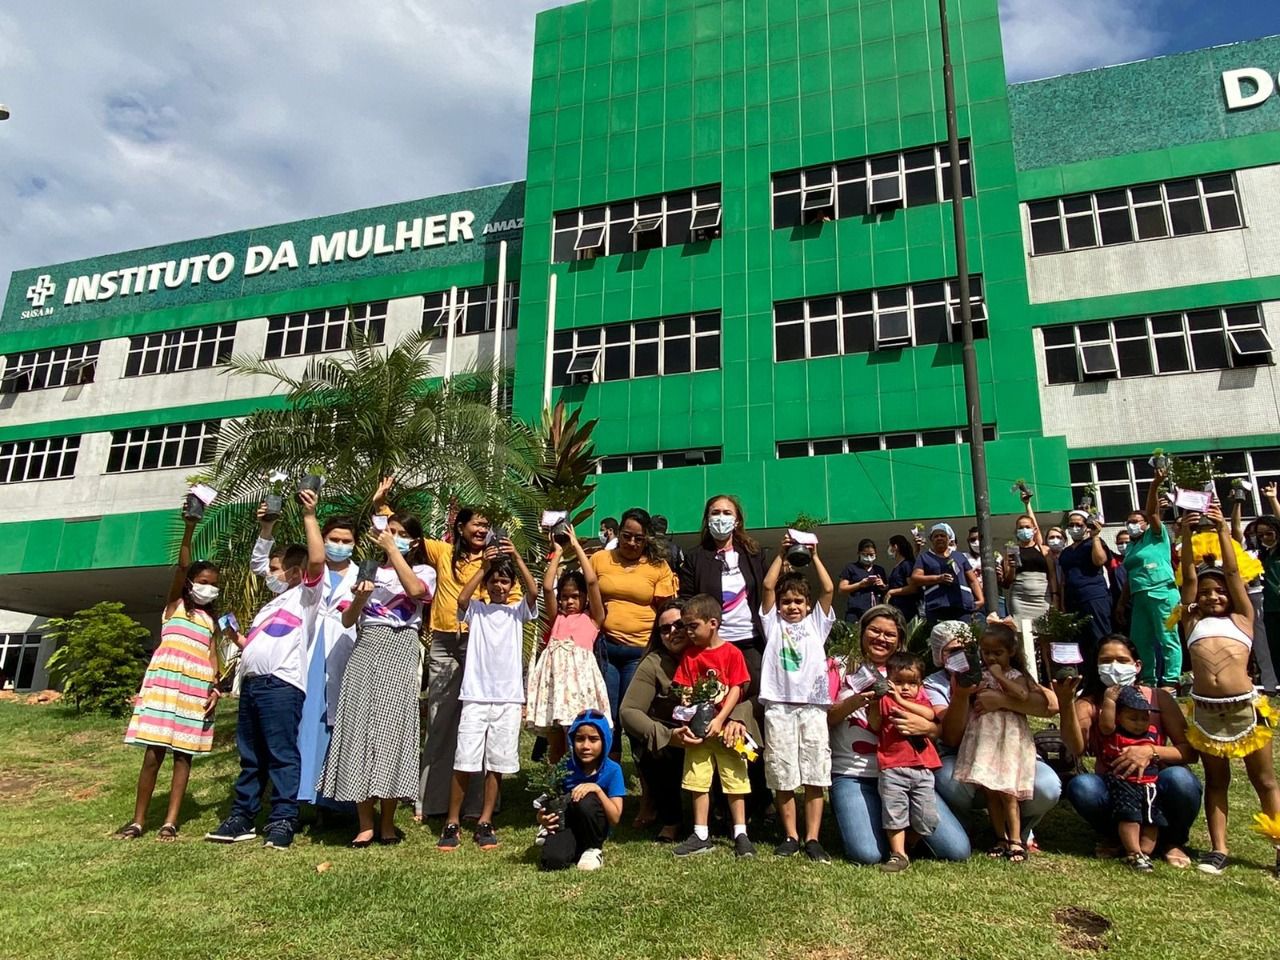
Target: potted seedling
point(800, 553)
point(199, 496)
point(1057, 632)
point(1193, 481)
point(966, 663)
point(546, 782)
point(843, 645)
point(1159, 461)
point(274, 499)
point(1022, 490)
point(1239, 492)
point(698, 703)
point(313, 480)
point(1012, 553)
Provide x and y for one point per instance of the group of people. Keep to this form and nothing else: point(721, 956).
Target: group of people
point(713, 664)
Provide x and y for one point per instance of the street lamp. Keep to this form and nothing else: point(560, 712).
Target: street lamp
point(972, 393)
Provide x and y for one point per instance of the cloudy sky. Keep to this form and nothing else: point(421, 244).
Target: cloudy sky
point(147, 122)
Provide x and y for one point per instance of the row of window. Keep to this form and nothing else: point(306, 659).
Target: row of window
point(869, 185)
point(1175, 208)
point(870, 442)
point(642, 223)
point(288, 335)
point(1122, 483)
point(646, 348)
point(885, 318)
point(141, 448)
point(1212, 339)
point(48, 458)
point(624, 463)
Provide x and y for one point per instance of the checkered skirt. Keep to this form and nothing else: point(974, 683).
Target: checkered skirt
point(375, 744)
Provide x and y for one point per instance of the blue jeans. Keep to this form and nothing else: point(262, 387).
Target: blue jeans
point(963, 797)
point(620, 662)
point(267, 737)
point(1177, 791)
point(856, 803)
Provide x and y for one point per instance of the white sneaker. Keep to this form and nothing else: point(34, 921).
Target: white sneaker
point(541, 838)
point(592, 859)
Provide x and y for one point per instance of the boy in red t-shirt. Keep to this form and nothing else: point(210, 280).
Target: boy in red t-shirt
point(709, 656)
point(907, 797)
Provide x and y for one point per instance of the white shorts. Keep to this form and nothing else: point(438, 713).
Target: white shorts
point(489, 738)
point(797, 746)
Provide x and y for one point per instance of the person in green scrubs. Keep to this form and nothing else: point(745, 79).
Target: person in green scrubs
point(1152, 592)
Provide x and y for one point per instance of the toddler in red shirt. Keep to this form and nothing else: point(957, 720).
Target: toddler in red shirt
point(708, 656)
point(907, 797)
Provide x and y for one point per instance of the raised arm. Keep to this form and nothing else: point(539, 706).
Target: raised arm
point(1237, 521)
point(1038, 539)
point(260, 558)
point(769, 586)
point(184, 561)
point(825, 588)
point(1152, 508)
point(525, 574)
point(549, 602)
point(315, 542)
point(1098, 549)
point(595, 600)
point(380, 494)
point(413, 587)
point(471, 586)
point(1269, 492)
point(1236, 589)
point(1187, 558)
point(1107, 711)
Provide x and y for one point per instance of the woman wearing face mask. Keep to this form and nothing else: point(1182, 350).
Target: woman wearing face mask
point(173, 710)
point(373, 754)
point(952, 588)
point(659, 739)
point(864, 582)
point(1151, 593)
point(1178, 792)
point(1084, 584)
point(902, 594)
point(1032, 582)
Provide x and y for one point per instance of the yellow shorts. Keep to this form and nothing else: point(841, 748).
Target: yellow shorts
point(702, 761)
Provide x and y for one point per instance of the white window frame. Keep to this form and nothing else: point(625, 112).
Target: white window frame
point(43, 451)
point(170, 436)
point(958, 437)
point(713, 455)
point(64, 360)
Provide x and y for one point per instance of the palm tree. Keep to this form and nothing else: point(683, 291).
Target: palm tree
point(355, 418)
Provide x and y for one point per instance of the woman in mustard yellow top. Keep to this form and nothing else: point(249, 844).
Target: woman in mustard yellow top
point(634, 581)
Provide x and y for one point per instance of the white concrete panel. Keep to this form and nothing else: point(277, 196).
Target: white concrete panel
point(1175, 262)
point(1151, 410)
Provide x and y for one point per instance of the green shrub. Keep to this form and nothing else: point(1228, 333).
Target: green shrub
point(100, 659)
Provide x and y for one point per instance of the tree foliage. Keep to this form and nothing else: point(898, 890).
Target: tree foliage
point(100, 659)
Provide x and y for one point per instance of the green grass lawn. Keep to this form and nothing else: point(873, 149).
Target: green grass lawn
point(67, 890)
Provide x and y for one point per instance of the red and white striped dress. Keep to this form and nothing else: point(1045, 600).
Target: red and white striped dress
point(169, 710)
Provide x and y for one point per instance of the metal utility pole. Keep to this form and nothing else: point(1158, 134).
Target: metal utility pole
point(972, 393)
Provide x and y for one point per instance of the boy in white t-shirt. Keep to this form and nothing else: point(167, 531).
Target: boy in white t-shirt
point(492, 687)
point(795, 692)
point(273, 672)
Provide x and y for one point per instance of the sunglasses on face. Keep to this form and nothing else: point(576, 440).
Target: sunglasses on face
point(666, 628)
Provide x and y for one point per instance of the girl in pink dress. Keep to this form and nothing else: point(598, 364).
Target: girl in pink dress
point(565, 678)
point(997, 752)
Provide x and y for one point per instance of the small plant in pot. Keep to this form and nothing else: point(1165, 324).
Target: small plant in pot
point(1022, 490)
point(1237, 493)
point(799, 554)
point(699, 702)
point(313, 480)
point(1194, 473)
point(1159, 460)
point(198, 497)
point(1089, 501)
point(274, 499)
point(546, 782)
point(1057, 631)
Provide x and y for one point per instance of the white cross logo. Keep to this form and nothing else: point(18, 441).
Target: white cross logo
point(41, 290)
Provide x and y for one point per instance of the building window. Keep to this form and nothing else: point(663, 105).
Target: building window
point(159, 448)
point(1154, 211)
point(625, 226)
point(52, 367)
point(175, 351)
point(869, 442)
point(1218, 338)
point(19, 653)
point(324, 330)
point(50, 458)
point(1122, 483)
point(854, 188)
point(669, 459)
point(476, 309)
point(887, 318)
point(646, 348)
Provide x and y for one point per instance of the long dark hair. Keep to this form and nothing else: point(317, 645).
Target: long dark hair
point(464, 516)
point(655, 635)
point(413, 527)
point(653, 551)
point(904, 547)
point(1092, 686)
point(193, 571)
point(742, 542)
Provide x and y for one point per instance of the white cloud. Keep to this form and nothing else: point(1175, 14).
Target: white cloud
point(1043, 38)
point(151, 122)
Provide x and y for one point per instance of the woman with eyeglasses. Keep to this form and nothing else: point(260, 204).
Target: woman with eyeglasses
point(855, 772)
point(646, 717)
point(635, 581)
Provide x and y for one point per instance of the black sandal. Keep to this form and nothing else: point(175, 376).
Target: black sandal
point(167, 833)
point(130, 831)
point(999, 851)
point(1016, 852)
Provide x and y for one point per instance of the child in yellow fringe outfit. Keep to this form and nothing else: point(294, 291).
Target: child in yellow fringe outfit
point(1226, 718)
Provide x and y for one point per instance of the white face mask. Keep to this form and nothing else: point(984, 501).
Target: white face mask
point(1077, 533)
point(1117, 674)
point(276, 585)
point(975, 546)
point(1135, 529)
point(1121, 548)
point(1055, 543)
point(721, 525)
point(867, 559)
point(204, 593)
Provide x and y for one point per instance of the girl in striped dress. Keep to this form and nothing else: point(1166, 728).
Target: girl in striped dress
point(174, 707)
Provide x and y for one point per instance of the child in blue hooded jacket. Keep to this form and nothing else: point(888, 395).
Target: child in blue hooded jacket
point(595, 788)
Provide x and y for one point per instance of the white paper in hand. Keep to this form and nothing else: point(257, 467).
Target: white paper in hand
point(803, 537)
point(1065, 653)
point(379, 521)
point(551, 517)
point(204, 493)
point(958, 662)
point(1197, 500)
point(864, 679)
point(683, 714)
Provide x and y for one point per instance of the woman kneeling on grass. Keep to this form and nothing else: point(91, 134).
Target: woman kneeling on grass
point(1228, 718)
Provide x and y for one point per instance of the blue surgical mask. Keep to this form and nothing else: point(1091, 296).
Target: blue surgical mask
point(1077, 533)
point(403, 545)
point(338, 552)
point(1025, 534)
point(1135, 529)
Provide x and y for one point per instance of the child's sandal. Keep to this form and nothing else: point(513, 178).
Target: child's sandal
point(167, 833)
point(1016, 852)
point(130, 831)
point(999, 851)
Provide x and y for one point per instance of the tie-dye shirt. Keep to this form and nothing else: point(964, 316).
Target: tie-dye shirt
point(390, 606)
point(277, 642)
